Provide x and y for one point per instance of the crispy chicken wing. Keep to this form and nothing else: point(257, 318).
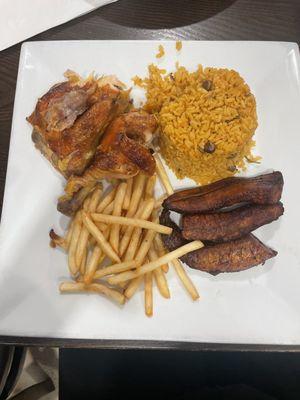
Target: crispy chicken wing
point(70, 118)
point(121, 154)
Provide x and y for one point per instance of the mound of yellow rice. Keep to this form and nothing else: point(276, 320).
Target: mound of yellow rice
point(207, 120)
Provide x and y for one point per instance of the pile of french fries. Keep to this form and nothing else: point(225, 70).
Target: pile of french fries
point(114, 242)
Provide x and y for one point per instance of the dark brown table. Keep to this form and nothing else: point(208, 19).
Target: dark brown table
point(154, 19)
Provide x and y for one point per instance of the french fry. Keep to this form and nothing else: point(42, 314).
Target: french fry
point(186, 281)
point(108, 209)
point(143, 212)
point(139, 258)
point(140, 254)
point(90, 205)
point(111, 293)
point(95, 260)
point(150, 184)
point(110, 219)
point(102, 258)
point(133, 287)
point(118, 204)
point(92, 264)
point(128, 193)
point(149, 267)
point(161, 251)
point(127, 234)
point(101, 225)
point(106, 233)
point(136, 196)
point(144, 247)
point(123, 285)
point(73, 267)
point(148, 294)
point(98, 235)
point(133, 244)
point(159, 276)
point(83, 238)
point(95, 198)
point(83, 262)
point(114, 269)
point(100, 230)
point(81, 245)
point(86, 203)
point(162, 174)
point(73, 287)
point(161, 282)
point(137, 192)
point(106, 200)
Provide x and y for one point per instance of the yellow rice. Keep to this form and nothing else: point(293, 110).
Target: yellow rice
point(161, 51)
point(178, 45)
point(191, 117)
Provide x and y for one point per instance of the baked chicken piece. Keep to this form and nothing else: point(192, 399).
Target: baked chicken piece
point(70, 118)
point(122, 153)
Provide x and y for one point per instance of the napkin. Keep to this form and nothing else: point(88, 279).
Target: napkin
point(21, 19)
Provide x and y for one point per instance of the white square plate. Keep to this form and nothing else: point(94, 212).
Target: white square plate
point(260, 305)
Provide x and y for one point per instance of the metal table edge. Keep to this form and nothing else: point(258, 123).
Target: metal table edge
point(145, 345)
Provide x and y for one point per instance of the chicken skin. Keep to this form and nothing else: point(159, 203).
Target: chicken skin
point(69, 120)
point(122, 154)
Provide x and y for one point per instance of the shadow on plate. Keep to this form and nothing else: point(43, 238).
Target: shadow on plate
point(157, 14)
